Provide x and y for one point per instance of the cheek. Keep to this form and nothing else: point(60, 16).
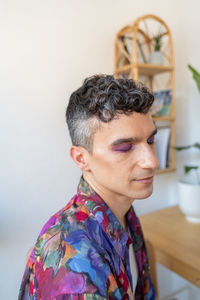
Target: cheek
point(113, 167)
point(119, 164)
point(99, 162)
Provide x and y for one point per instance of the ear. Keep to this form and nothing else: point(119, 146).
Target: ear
point(80, 157)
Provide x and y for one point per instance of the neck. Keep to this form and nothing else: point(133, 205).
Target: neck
point(118, 204)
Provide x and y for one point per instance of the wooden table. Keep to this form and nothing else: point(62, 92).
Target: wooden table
point(175, 240)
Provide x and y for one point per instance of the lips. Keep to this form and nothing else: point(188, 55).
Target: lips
point(145, 180)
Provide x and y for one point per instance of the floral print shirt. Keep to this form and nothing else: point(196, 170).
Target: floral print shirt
point(82, 253)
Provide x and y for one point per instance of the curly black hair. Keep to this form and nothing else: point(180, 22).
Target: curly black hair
point(102, 98)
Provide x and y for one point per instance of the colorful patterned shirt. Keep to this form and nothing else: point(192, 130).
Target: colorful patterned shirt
point(82, 253)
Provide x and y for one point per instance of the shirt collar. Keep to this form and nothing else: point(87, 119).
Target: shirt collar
point(105, 217)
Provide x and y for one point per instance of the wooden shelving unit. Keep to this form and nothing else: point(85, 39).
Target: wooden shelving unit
point(145, 69)
point(133, 46)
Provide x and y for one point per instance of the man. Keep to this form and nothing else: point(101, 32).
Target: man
point(84, 250)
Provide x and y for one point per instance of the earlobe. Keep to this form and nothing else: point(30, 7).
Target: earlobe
point(78, 154)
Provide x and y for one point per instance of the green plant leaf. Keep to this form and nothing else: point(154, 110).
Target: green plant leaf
point(197, 145)
point(180, 148)
point(189, 168)
point(196, 76)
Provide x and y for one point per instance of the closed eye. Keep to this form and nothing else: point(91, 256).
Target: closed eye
point(124, 147)
point(151, 140)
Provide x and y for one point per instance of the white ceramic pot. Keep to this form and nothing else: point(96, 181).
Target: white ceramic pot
point(189, 201)
point(156, 58)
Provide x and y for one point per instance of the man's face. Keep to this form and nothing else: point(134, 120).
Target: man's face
point(123, 156)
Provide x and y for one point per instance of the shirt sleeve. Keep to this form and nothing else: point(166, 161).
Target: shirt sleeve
point(62, 271)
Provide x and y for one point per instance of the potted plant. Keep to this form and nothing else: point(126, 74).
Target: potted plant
point(189, 192)
point(156, 56)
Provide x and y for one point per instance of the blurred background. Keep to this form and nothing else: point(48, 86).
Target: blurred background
point(47, 48)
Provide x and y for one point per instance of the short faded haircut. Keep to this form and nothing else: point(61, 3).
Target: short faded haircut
point(103, 98)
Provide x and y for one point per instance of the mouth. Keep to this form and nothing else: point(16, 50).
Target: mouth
point(145, 180)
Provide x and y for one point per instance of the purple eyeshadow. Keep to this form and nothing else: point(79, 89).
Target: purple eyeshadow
point(151, 140)
point(123, 147)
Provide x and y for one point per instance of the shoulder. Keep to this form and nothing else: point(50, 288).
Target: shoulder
point(69, 254)
point(73, 225)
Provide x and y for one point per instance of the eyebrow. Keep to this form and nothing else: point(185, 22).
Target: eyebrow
point(132, 139)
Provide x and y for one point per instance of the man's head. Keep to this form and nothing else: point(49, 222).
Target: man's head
point(103, 98)
point(113, 136)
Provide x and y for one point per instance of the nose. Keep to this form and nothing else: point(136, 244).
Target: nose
point(148, 158)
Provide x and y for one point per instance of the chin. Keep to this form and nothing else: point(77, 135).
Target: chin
point(145, 194)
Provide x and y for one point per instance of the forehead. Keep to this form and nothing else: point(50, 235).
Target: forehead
point(135, 125)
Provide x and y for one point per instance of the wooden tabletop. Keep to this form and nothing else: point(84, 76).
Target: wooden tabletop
point(176, 241)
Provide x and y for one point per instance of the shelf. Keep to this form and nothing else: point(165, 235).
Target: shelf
point(162, 171)
point(151, 70)
point(144, 69)
point(163, 118)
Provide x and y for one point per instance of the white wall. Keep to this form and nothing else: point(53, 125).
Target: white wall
point(47, 47)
